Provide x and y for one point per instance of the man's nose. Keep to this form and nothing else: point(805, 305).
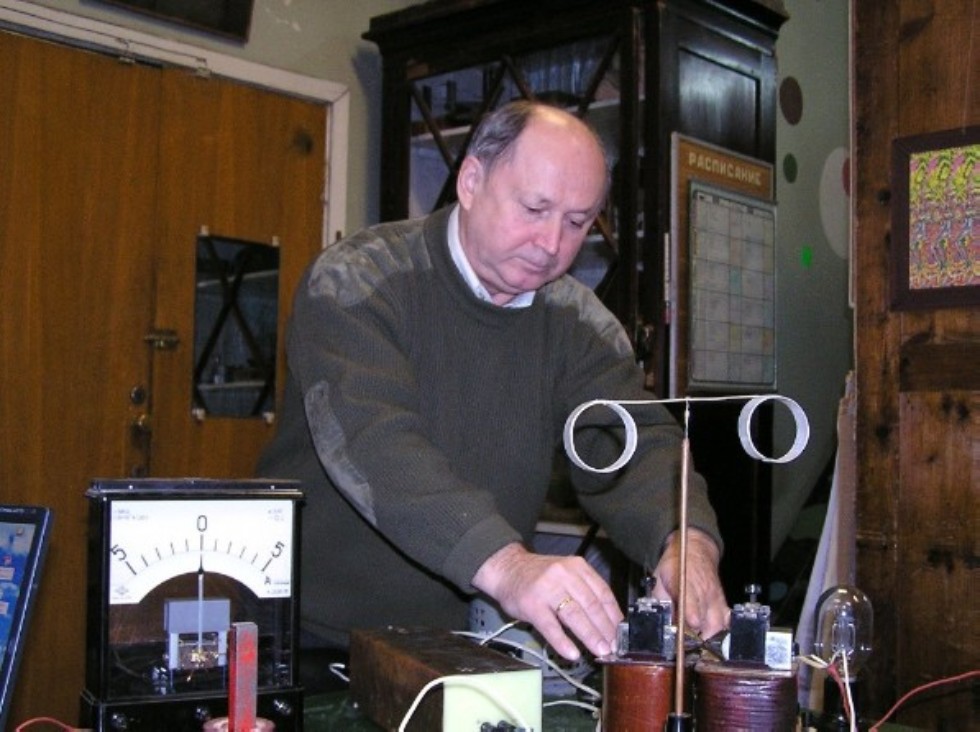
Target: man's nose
point(549, 235)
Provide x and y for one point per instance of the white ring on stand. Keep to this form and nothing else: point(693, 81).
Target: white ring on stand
point(745, 433)
point(628, 422)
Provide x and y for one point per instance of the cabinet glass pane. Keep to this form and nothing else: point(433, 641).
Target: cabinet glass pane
point(582, 76)
point(236, 312)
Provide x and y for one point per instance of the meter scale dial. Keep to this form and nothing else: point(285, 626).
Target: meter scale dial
point(151, 542)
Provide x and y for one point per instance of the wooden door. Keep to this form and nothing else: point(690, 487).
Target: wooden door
point(107, 173)
point(77, 187)
point(242, 163)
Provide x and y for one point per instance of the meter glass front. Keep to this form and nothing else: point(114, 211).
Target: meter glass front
point(180, 573)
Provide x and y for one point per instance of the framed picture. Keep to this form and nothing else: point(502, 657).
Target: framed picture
point(229, 18)
point(935, 229)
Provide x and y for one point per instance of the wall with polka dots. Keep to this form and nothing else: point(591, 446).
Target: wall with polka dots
point(814, 318)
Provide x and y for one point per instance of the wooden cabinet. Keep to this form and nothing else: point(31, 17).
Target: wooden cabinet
point(639, 71)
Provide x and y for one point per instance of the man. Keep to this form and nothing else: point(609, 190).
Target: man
point(432, 365)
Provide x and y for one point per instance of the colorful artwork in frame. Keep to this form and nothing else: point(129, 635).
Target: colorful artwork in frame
point(936, 220)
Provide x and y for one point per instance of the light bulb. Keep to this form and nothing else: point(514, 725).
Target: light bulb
point(845, 627)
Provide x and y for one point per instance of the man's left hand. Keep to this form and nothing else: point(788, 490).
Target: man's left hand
point(707, 610)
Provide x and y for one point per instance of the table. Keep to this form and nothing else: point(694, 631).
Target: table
point(333, 712)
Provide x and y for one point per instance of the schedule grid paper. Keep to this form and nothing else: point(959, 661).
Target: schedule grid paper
point(732, 290)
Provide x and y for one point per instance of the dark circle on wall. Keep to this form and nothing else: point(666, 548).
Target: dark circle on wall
point(790, 168)
point(846, 176)
point(791, 100)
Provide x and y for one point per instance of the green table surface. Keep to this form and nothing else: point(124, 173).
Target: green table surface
point(333, 712)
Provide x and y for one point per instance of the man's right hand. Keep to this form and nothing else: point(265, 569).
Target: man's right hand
point(555, 594)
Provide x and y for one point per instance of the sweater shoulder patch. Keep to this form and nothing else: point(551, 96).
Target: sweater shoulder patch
point(355, 268)
point(568, 292)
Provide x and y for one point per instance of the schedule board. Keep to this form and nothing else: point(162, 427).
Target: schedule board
point(732, 310)
point(699, 163)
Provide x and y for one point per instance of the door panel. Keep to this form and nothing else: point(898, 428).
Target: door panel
point(77, 182)
point(107, 173)
point(246, 164)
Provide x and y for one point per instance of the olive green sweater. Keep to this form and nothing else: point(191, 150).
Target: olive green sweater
point(423, 423)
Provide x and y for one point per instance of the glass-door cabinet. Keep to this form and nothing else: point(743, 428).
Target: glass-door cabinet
point(636, 70)
point(641, 72)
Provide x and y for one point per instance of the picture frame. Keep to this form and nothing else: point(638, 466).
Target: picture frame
point(231, 19)
point(935, 226)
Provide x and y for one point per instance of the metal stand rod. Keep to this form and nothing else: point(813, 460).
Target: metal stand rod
point(682, 590)
point(679, 723)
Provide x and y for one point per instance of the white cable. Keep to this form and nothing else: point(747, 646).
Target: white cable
point(572, 703)
point(541, 657)
point(499, 631)
point(596, 711)
point(847, 692)
point(744, 427)
point(337, 669)
point(467, 682)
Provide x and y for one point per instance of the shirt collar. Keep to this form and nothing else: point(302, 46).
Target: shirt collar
point(521, 300)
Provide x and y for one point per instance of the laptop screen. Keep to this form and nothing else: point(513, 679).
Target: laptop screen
point(24, 534)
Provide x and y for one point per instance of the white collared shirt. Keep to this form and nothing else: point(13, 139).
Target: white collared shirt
point(522, 300)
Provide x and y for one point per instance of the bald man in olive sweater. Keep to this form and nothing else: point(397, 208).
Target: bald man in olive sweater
point(432, 365)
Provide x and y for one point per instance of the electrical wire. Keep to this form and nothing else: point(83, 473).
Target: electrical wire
point(932, 684)
point(338, 669)
point(842, 681)
point(845, 696)
point(541, 657)
point(50, 720)
point(591, 708)
point(852, 713)
point(572, 703)
point(499, 631)
point(466, 682)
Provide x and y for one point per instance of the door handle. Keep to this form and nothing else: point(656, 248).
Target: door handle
point(162, 339)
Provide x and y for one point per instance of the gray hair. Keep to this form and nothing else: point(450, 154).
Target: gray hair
point(497, 132)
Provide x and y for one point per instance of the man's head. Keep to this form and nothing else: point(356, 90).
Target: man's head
point(532, 183)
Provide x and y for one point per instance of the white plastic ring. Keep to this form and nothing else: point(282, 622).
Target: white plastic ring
point(569, 436)
point(745, 432)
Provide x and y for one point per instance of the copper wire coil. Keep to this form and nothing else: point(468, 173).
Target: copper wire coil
point(637, 696)
point(732, 699)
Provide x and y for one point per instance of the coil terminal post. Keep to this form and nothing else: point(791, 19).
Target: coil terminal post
point(752, 641)
point(647, 630)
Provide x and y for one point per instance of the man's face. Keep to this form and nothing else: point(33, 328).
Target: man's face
point(522, 225)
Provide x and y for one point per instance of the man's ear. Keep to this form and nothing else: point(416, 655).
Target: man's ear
point(468, 181)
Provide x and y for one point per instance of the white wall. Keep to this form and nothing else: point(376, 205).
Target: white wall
point(814, 320)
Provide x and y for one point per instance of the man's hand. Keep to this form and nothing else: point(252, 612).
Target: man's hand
point(554, 594)
point(707, 611)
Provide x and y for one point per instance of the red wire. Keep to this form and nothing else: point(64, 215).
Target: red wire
point(835, 675)
point(916, 690)
point(37, 720)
